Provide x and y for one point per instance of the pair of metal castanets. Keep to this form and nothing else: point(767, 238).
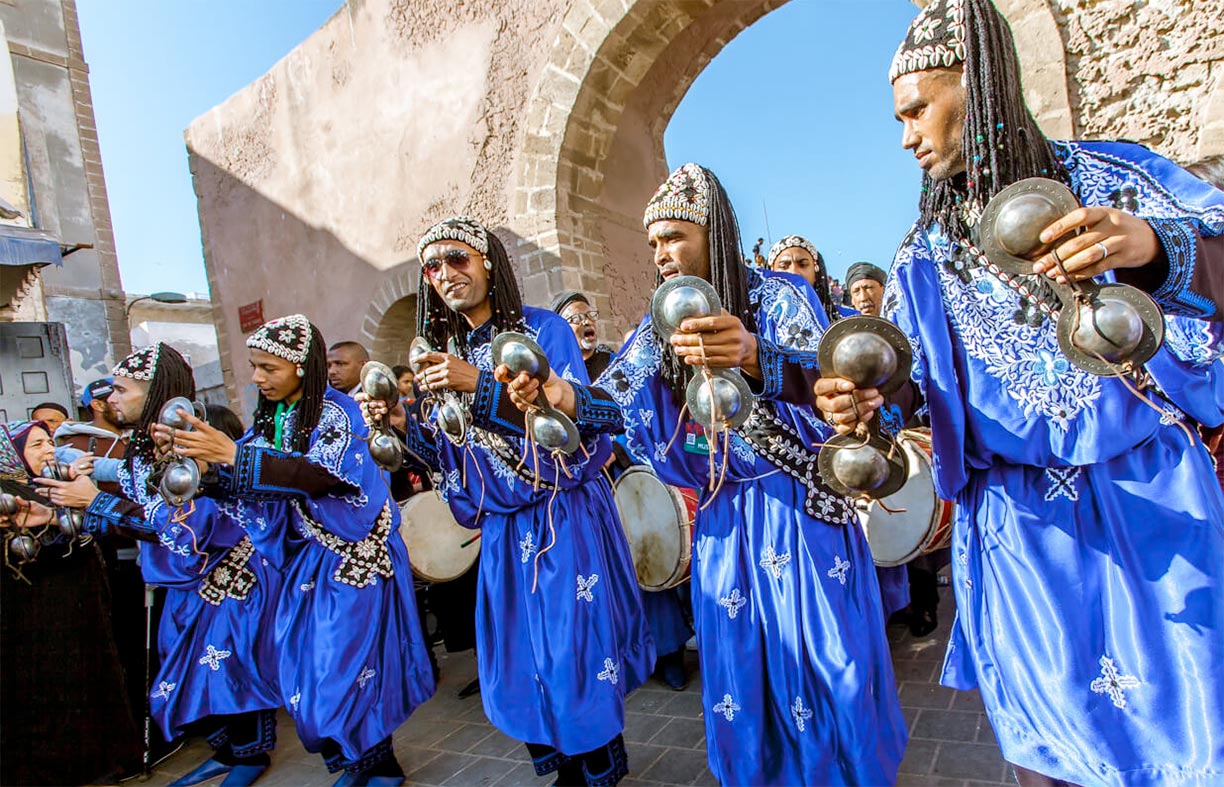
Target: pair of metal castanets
point(716, 398)
point(1104, 329)
point(548, 427)
point(444, 409)
point(180, 477)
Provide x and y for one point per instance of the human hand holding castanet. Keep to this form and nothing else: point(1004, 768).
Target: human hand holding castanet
point(719, 341)
point(843, 406)
point(445, 371)
point(373, 411)
point(1110, 239)
point(29, 515)
point(77, 493)
point(203, 443)
point(524, 390)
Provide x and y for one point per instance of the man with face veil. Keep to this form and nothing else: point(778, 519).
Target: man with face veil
point(352, 663)
point(1088, 540)
point(65, 716)
point(796, 677)
point(561, 638)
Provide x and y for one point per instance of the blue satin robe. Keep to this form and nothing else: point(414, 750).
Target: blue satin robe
point(217, 654)
point(352, 659)
point(556, 661)
point(797, 680)
point(1088, 541)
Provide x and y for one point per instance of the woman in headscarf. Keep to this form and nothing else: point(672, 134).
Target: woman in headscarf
point(65, 719)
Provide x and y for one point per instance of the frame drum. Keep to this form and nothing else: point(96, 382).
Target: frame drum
point(434, 537)
point(658, 522)
point(919, 522)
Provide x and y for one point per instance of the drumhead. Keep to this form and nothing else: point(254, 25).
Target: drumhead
point(897, 538)
point(433, 538)
point(652, 521)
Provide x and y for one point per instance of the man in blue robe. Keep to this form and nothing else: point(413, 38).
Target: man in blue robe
point(352, 663)
point(796, 676)
point(1088, 543)
point(560, 635)
point(218, 671)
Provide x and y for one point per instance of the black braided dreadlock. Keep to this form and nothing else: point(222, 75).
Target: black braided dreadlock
point(727, 273)
point(309, 406)
point(824, 292)
point(172, 378)
point(1000, 140)
point(446, 330)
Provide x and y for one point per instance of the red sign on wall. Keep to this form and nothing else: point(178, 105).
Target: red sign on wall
point(250, 316)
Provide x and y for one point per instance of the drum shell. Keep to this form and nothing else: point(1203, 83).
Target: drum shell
point(658, 521)
point(434, 539)
point(919, 522)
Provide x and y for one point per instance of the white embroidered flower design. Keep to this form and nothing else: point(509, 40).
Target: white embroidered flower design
point(213, 657)
point(839, 570)
point(1113, 683)
point(772, 562)
point(800, 714)
point(732, 603)
point(584, 587)
point(1170, 415)
point(527, 547)
point(307, 586)
point(163, 690)
point(611, 672)
point(364, 676)
point(1062, 483)
point(294, 700)
point(727, 708)
point(924, 30)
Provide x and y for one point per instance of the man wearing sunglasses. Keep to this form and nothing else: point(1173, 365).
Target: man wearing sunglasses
point(583, 318)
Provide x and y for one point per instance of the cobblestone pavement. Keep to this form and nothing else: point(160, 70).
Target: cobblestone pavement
point(449, 741)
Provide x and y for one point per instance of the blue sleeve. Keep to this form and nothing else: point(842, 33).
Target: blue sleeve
point(112, 515)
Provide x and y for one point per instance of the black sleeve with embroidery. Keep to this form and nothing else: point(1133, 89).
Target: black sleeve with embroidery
point(492, 409)
point(110, 515)
point(787, 375)
point(1188, 277)
point(264, 474)
point(596, 412)
point(418, 444)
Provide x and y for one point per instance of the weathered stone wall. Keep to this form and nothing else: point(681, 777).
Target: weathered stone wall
point(546, 120)
point(1152, 72)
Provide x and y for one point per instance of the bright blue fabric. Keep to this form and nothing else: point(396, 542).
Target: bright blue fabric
point(555, 663)
point(352, 658)
point(1088, 543)
point(216, 649)
point(797, 680)
point(894, 588)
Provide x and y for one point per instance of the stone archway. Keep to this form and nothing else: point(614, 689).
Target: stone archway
point(390, 320)
point(592, 150)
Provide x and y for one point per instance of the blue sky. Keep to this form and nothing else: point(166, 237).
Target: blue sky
point(795, 116)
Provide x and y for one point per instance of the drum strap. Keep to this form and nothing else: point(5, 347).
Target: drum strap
point(505, 453)
point(782, 447)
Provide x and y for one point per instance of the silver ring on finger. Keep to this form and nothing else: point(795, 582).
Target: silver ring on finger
point(1104, 250)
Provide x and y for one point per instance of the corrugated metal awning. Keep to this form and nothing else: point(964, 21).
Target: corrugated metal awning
point(28, 246)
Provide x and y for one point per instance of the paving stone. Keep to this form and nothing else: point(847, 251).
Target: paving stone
point(647, 701)
point(947, 725)
point(920, 670)
point(484, 771)
point(968, 700)
point(642, 756)
point(969, 761)
point(641, 727)
point(919, 756)
point(681, 734)
point(986, 732)
point(498, 744)
point(426, 732)
point(441, 768)
point(686, 705)
point(926, 695)
point(523, 773)
point(911, 780)
point(676, 767)
point(464, 738)
point(705, 779)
